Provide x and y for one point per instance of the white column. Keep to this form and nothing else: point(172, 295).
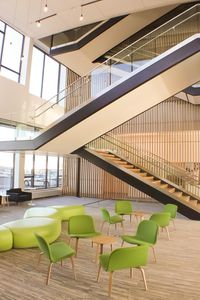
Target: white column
point(19, 170)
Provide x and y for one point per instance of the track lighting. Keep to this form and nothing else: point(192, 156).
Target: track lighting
point(38, 23)
point(46, 8)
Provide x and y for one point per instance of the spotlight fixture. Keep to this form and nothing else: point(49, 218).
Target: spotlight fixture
point(38, 23)
point(81, 17)
point(46, 8)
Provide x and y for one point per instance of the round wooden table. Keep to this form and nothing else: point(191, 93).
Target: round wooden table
point(139, 215)
point(102, 240)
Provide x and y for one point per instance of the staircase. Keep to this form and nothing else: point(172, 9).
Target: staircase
point(147, 172)
point(116, 86)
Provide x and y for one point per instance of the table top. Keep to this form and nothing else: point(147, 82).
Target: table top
point(138, 213)
point(104, 239)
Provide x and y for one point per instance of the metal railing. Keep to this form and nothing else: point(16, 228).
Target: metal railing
point(149, 162)
point(127, 60)
point(130, 59)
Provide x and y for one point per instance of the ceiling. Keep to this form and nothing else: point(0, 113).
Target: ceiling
point(22, 14)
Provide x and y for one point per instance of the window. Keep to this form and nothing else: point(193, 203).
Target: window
point(62, 85)
point(6, 170)
point(60, 182)
point(48, 77)
point(11, 49)
point(36, 72)
point(28, 171)
point(7, 132)
point(50, 81)
point(42, 171)
point(52, 171)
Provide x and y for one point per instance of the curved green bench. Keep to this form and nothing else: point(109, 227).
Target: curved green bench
point(6, 238)
point(23, 231)
point(65, 212)
point(42, 212)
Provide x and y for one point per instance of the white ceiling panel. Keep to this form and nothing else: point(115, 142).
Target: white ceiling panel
point(22, 14)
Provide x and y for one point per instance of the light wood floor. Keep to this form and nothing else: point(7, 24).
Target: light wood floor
point(176, 275)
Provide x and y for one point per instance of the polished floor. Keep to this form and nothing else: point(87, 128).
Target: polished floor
point(176, 275)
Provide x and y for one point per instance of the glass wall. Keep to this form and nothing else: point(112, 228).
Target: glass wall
point(7, 132)
point(40, 171)
point(11, 52)
point(48, 77)
point(6, 171)
point(52, 171)
point(43, 171)
point(28, 171)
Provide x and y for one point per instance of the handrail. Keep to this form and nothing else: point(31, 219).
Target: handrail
point(145, 151)
point(150, 154)
point(106, 63)
point(164, 171)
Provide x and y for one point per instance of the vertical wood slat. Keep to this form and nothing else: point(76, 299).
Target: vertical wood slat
point(170, 130)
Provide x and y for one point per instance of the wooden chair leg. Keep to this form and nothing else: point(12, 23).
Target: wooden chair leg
point(110, 284)
point(102, 226)
point(154, 253)
point(73, 268)
point(108, 232)
point(111, 248)
point(115, 226)
point(61, 262)
point(174, 224)
point(97, 254)
point(167, 230)
point(99, 272)
point(122, 225)
point(122, 244)
point(49, 273)
point(76, 247)
point(39, 258)
point(131, 272)
point(144, 279)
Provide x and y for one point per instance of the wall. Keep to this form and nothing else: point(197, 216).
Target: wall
point(94, 182)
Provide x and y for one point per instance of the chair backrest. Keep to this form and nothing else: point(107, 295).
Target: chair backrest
point(105, 214)
point(147, 231)
point(123, 207)
point(162, 219)
point(43, 245)
point(172, 209)
point(131, 257)
point(81, 224)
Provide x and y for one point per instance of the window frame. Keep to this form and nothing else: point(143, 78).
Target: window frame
point(2, 50)
point(43, 72)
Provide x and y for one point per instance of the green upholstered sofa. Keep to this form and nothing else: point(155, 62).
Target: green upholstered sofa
point(23, 231)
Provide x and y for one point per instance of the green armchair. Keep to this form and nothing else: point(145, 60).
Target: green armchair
point(123, 258)
point(107, 218)
point(81, 226)
point(55, 252)
point(172, 209)
point(124, 207)
point(162, 219)
point(146, 234)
